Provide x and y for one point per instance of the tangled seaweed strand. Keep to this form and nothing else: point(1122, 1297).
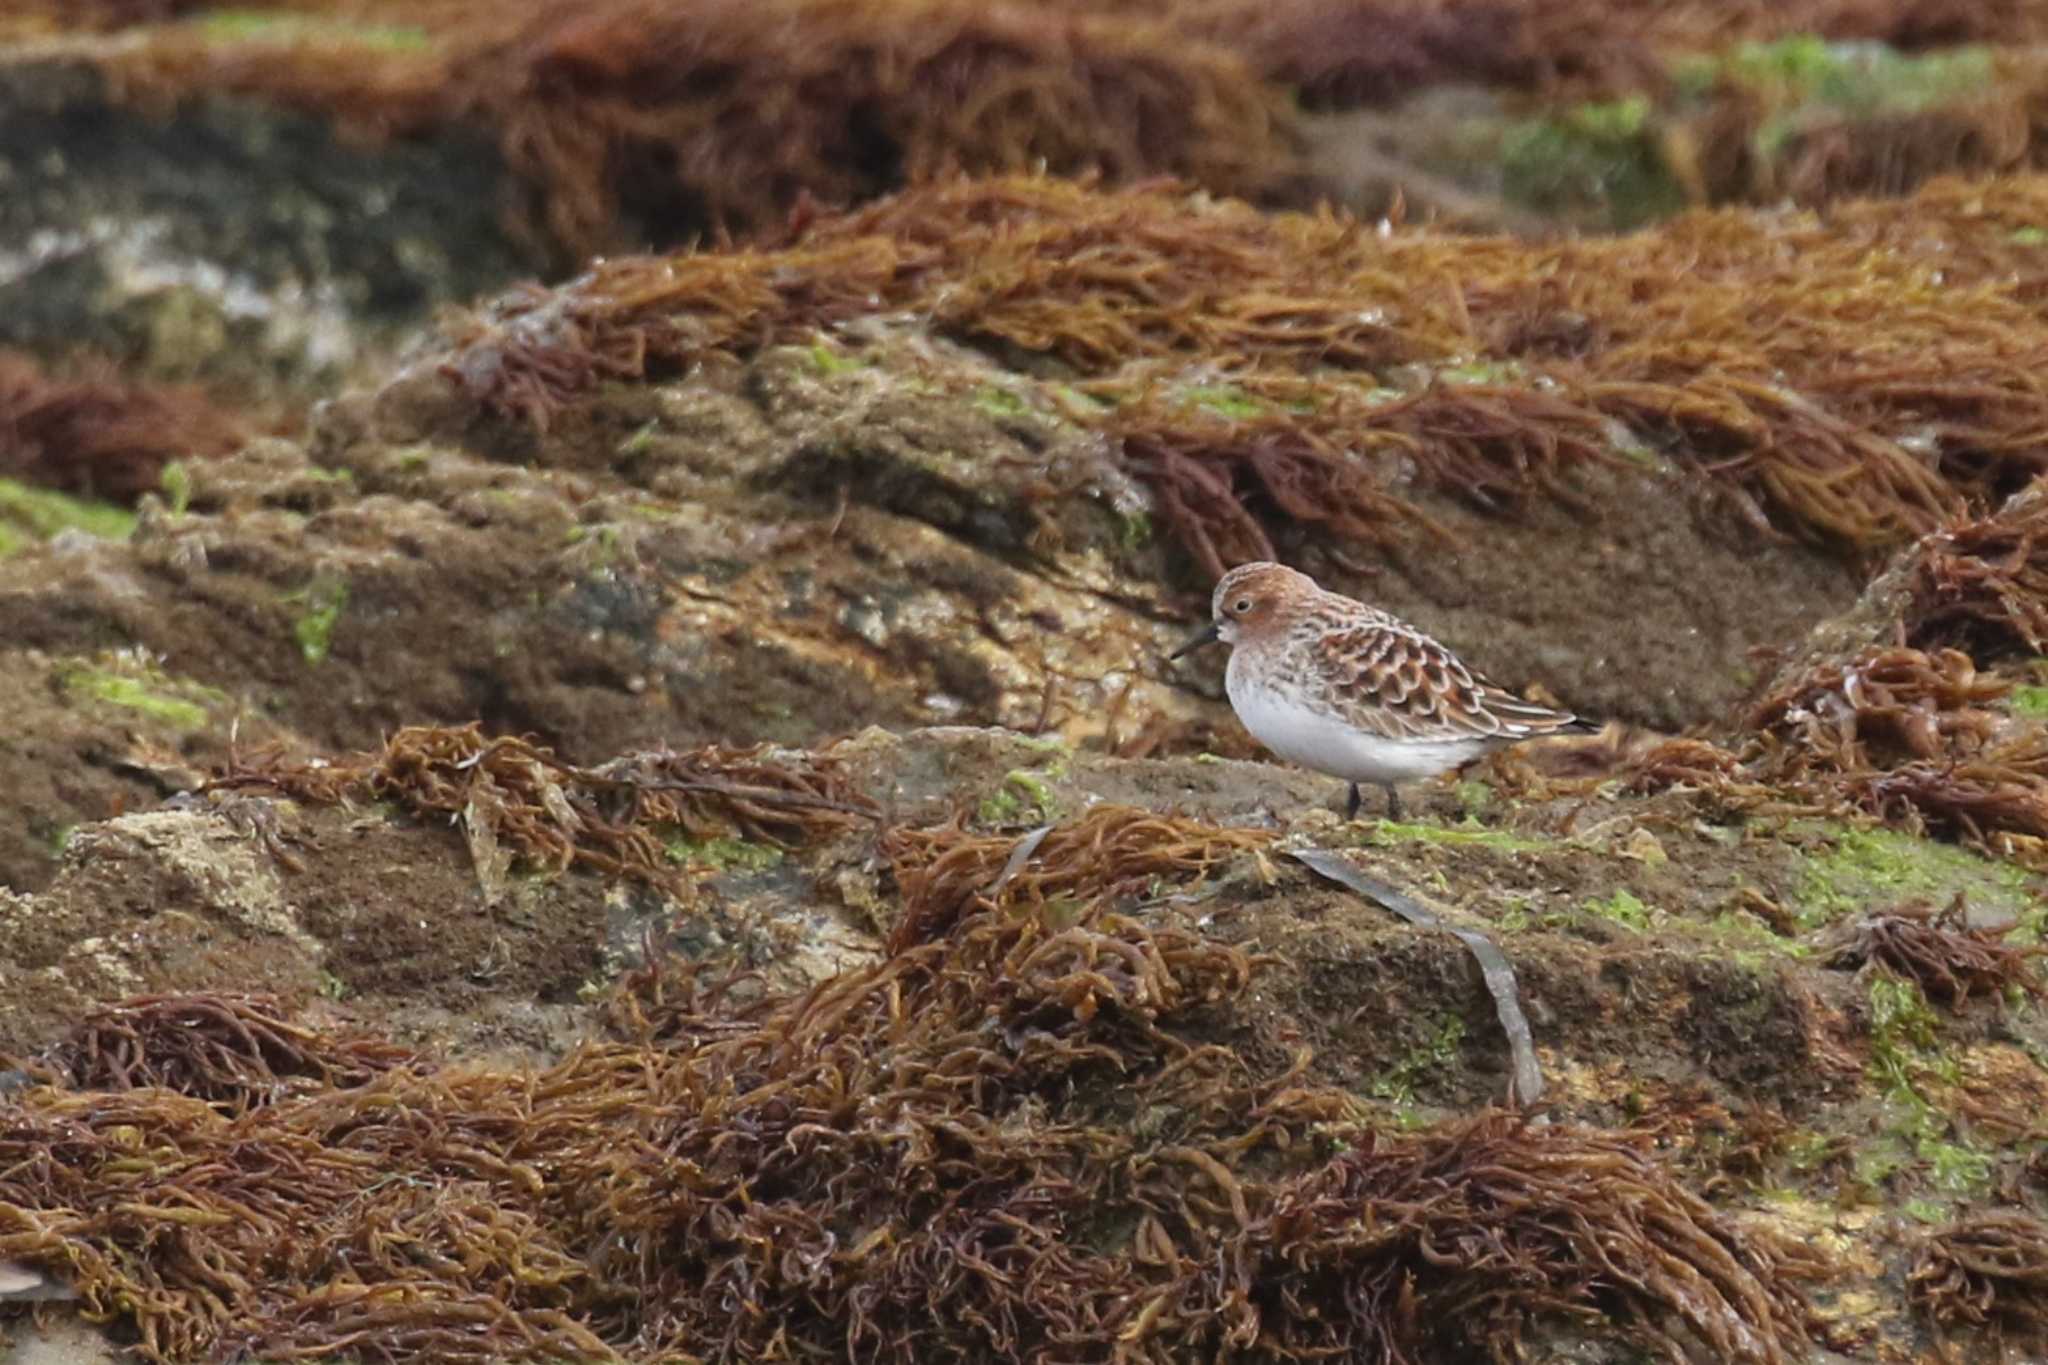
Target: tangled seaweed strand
point(1574, 1223)
point(1325, 53)
point(1013, 1143)
point(1110, 853)
point(1341, 53)
point(1904, 735)
point(1896, 734)
point(663, 102)
point(1987, 1270)
point(1490, 445)
point(1938, 951)
point(693, 1200)
point(233, 1051)
point(99, 435)
point(1881, 708)
point(756, 792)
point(37, 18)
point(158, 1207)
point(1093, 278)
point(1983, 583)
point(632, 119)
point(1917, 737)
point(515, 800)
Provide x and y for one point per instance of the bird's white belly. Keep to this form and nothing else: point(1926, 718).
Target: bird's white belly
point(1316, 739)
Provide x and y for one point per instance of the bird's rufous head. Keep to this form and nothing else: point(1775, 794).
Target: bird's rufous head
point(1250, 600)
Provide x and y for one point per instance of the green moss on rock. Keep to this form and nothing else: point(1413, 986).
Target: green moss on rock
point(1874, 869)
point(30, 515)
point(136, 686)
point(321, 604)
point(723, 854)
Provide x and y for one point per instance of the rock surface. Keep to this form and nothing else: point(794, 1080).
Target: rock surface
point(236, 242)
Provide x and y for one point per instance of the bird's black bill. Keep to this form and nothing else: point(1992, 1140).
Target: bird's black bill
point(1207, 635)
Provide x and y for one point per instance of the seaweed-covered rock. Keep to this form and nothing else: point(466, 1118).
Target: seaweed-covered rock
point(1101, 969)
point(518, 710)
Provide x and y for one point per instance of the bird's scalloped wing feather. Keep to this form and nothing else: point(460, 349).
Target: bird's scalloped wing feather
point(1396, 682)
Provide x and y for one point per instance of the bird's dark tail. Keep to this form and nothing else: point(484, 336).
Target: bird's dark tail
point(1522, 719)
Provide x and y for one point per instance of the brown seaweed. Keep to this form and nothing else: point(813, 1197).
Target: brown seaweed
point(1940, 952)
point(1110, 853)
point(514, 799)
point(1983, 583)
point(631, 118)
point(1576, 1223)
point(233, 1051)
point(1012, 1142)
point(646, 110)
point(1878, 710)
point(95, 434)
point(1989, 1270)
point(1322, 337)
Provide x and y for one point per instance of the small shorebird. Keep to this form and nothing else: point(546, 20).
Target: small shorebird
point(1346, 689)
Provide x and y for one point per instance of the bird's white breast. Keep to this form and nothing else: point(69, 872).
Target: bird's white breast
point(1286, 723)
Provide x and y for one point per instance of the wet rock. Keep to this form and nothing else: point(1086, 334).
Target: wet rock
point(228, 240)
point(163, 900)
point(1642, 604)
point(91, 735)
point(618, 591)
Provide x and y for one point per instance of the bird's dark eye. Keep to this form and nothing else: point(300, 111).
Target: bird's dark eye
point(1242, 605)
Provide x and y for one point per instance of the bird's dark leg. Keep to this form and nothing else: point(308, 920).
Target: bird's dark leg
point(1393, 801)
point(1351, 807)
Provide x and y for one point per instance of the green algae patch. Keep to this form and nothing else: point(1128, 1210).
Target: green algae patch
point(1873, 869)
point(993, 400)
point(266, 26)
point(1475, 798)
point(320, 605)
point(1748, 942)
point(1904, 1037)
point(828, 361)
point(1913, 1070)
point(1756, 121)
point(1435, 1054)
point(723, 854)
point(135, 686)
point(135, 696)
point(1023, 797)
point(1859, 78)
point(1862, 81)
point(1601, 155)
point(30, 515)
point(2031, 927)
point(1470, 835)
point(1624, 908)
point(1133, 530)
point(1226, 400)
point(602, 544)
point(1025, 794)
point(2030, 700)
point(176, 483)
